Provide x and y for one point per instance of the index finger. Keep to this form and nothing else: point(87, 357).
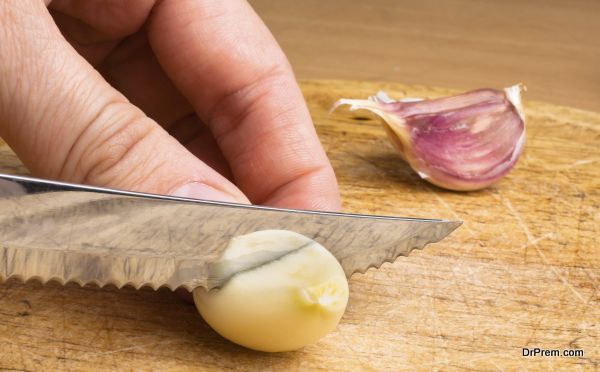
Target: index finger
point(228, 65)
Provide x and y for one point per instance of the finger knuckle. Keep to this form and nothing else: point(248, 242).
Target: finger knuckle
point(113, 145)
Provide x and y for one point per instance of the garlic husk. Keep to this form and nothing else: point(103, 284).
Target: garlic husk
point(463, 142)
point(282, 305)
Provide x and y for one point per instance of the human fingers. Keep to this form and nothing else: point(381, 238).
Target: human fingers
point(65, 122)
point(229, 67)
point(109, 35)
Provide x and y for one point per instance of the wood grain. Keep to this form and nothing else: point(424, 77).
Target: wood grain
point(551, 46)
point(523, 271)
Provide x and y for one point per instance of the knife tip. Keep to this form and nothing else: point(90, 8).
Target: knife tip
point(450, 226)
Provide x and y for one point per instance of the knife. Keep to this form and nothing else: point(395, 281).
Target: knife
point(75, 233)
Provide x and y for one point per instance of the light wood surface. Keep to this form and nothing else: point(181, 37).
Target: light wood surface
point(553, 47)
point(523, 270)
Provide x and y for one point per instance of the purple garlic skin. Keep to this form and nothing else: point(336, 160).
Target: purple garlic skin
point(464, 142)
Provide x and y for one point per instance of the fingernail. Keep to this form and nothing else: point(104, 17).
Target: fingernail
point(196, 190)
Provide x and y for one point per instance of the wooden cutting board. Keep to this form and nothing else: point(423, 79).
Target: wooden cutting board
point(522, 272)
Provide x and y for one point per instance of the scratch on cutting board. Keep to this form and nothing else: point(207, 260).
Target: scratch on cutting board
point(438, 333)
point(532, 242)
point(560, 276)
point(579, 163)
point(537, 240)
point(558, 121)
point(564, 167)
point(347, 345)
point(592, 277)
point(473, 234)
point(534, 330)
point(134, 347)
point(462, 293)
point(478, 358)
point(452, 211)
point(496, 365)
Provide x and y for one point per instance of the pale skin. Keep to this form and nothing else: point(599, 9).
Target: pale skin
point(180, 97)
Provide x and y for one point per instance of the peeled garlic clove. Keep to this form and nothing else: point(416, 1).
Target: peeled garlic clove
point(463, 142)
point(282, 305)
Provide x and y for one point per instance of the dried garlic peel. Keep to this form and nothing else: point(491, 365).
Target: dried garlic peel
point(282, 305)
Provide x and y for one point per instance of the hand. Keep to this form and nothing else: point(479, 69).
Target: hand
point(174, 97)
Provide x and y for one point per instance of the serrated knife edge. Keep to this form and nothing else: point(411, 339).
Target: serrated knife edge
point(72, 233)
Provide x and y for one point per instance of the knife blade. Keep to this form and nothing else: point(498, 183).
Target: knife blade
point(75, 233)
